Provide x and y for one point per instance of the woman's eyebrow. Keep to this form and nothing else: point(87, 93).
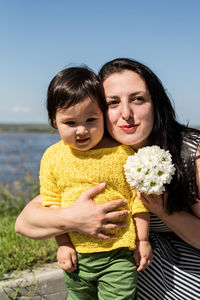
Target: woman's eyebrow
point(113, 97)
point(132, 94)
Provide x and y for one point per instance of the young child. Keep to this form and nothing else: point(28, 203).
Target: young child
point(85, 156)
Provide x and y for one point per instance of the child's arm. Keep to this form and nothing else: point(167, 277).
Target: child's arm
point(143, 252)
point(51, 197)
point(66, 254)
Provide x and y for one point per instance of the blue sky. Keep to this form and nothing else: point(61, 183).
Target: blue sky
point(38, 38)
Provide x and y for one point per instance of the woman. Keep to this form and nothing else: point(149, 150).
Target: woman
point(137, 102)
point(140, 114)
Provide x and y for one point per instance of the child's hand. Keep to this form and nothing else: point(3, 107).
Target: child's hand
point(143, 255)
point(67, 259)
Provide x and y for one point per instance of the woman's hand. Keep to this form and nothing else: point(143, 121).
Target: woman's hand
point(93, 219)
point(84, 216)
point(154, 203)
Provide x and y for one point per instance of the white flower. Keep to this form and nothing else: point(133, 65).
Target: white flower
point(149, 170)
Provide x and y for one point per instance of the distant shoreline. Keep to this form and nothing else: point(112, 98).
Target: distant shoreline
point(35, 128)
point(27, 128)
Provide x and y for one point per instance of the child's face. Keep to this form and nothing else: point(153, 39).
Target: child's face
point(81, 126)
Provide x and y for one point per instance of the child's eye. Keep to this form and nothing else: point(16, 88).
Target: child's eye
point(70, 123)
point(91, 120)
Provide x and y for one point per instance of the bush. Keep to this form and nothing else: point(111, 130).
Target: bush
point(16, 251)
point(14, 196)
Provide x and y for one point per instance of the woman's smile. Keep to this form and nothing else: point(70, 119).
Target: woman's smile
point(128, 127)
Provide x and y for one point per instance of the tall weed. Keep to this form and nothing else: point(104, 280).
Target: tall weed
point(14, 196)
point(16, 251)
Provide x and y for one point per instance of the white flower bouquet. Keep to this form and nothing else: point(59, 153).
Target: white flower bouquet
point(149, 170)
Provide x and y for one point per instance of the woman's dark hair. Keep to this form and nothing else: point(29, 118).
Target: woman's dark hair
point(167, 132)
point(71, 86)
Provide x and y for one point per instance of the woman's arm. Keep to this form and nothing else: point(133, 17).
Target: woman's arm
point(84, 216)
point(184, 224)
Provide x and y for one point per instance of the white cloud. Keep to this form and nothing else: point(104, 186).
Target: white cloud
point(23, 109)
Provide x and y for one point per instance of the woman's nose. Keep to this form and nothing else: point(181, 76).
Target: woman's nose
point(126, 112)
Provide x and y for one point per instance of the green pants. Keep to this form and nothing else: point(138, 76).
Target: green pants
point(104, 276)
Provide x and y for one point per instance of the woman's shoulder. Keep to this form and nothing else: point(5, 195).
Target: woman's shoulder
point(191, 135)
point(191, 140)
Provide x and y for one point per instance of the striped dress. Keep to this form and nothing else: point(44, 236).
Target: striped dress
point(174, 273)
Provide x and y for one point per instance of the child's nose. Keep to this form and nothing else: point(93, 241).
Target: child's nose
point(81, 130)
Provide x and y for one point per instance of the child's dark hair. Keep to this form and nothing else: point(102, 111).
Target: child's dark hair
point(71, 86)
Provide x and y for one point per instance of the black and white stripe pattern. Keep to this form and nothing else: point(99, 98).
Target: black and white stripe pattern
point(174, 273)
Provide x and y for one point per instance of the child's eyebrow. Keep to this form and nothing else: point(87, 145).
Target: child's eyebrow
point(65, 119)
point(94, 113)
point(88, 114)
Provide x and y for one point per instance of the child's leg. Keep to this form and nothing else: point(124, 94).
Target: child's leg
point(78, 288)
point(118, 280)
point(103, 276)
point(82, 284)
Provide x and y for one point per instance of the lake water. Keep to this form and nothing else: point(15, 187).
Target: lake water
point(20, 153)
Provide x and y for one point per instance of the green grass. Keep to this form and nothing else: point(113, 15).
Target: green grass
point(20, 253)
point(16, 251)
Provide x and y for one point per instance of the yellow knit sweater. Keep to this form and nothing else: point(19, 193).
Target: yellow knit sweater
point(65, 173)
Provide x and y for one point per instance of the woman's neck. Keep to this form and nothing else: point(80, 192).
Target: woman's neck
point(144, 143)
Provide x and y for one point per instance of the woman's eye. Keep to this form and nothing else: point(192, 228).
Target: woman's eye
point(112, 103)
point(139, 98)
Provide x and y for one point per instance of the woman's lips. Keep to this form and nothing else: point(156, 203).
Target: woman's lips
point(128, 127)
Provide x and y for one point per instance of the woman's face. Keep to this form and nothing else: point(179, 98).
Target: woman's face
point(130, 114)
